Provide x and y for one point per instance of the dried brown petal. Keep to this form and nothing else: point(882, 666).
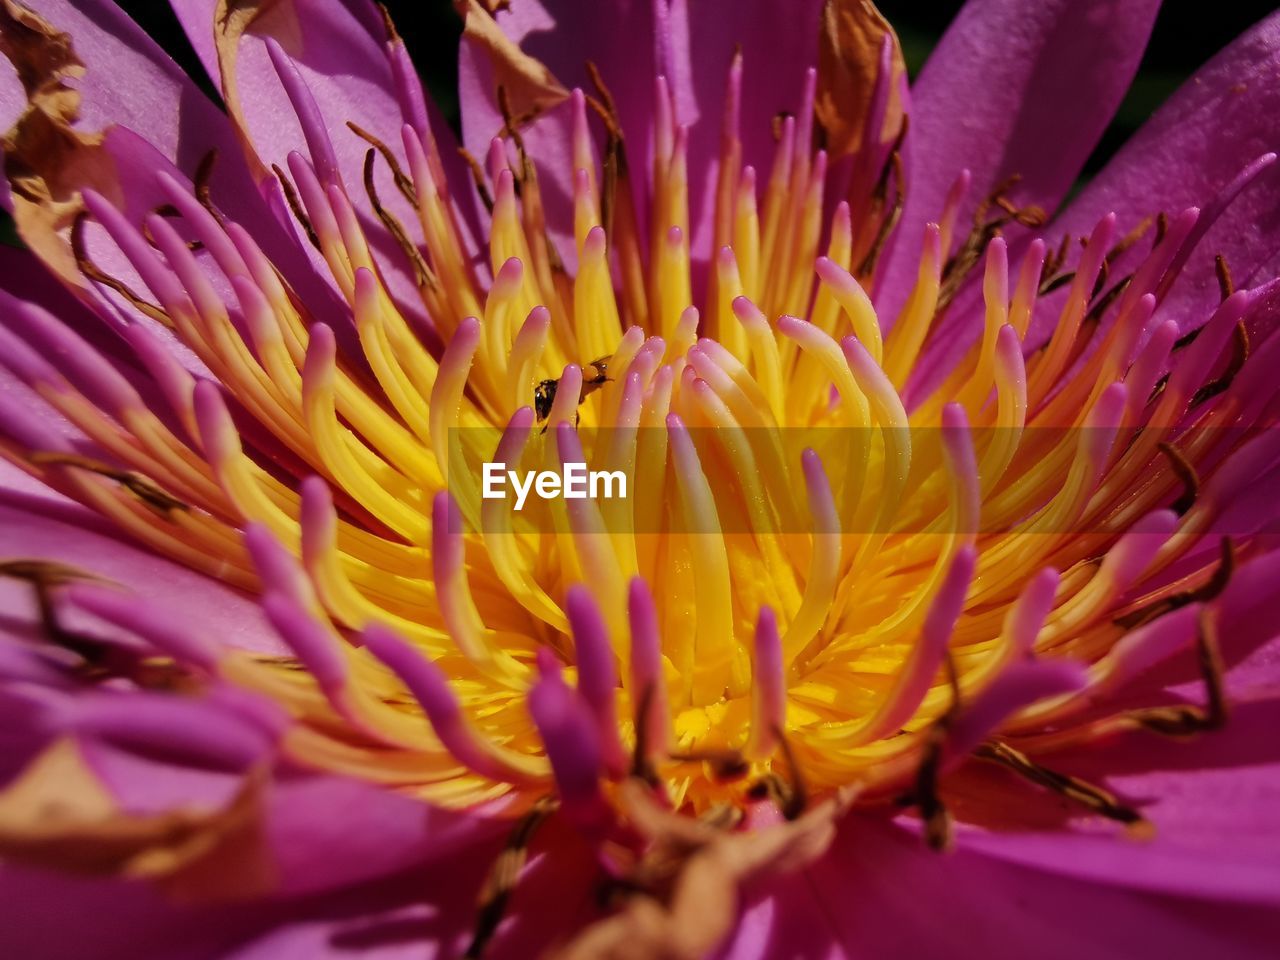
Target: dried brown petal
point(849, 41)
point(702, 904)
point(530, 86)
point(58, 815)
point(46, 160)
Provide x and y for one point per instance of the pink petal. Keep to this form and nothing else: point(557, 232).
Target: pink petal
point(429, 914)
point(329, 831)
point(339, 53)
point(47, 914)
point(1019, 685)
point(1212, 801)
point(880, 893)
point(620, 39)
point(632, 41)
point(362, 872)
point(1217, 122)
point(778, 42)
point(424, 911)
point(157, 120)
point(1012, 88)
point(46, 526)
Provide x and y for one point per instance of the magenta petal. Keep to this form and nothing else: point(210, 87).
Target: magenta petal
point(572, 743)
point(1248, 629)
point(597, 669)
point(1160, 867)
point(190, 732)
point(1212, 801)
point(1197, 143)
point(25, 419)
point(322, 831)
point(351, 860)
point(632, 41)
point(49, 527)
point(1012, 88)
point(1248, 618)
point(48, 914)
point(425, 913)
point(778, 43)
point(879, 892)
point(23, 663)
point(618, 38)
point(328, 831)
point(965, 905)
point(428, 914)
point(334, 57)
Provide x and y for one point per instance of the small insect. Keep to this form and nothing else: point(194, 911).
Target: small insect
point(544, 394)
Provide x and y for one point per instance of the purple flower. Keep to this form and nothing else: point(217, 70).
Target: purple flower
point(940, 618)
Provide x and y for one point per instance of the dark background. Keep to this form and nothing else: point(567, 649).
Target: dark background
point(1186, 34)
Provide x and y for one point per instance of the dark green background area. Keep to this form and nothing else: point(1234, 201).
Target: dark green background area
point(1186, 35)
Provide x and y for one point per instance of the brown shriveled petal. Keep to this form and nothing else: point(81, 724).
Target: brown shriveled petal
point(91, 271)
point(657, 822)
point(614, 156)
point(849, 42)
point(987, 225)
point(403, 183)
point(701, 905)
point(58, 815)
point(200, 182)
point(48, 572)
point(46, 161)
point(1104, 302)
point(777, 123)
point(477, 177)
point(1130, 238)
point(669, 838)
point(1053, 276)
point(725, 765)
point(933, 811)
point(530, 86)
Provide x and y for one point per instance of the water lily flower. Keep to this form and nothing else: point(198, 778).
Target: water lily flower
point(941, 619)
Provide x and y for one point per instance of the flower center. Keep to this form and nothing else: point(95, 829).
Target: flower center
point(844, 543)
